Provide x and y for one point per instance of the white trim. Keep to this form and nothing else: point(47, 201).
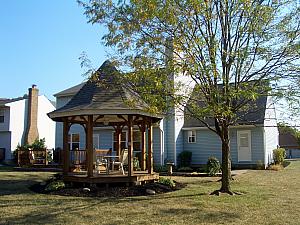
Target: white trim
point(162, 146)
point(230, 127)
point(248, 132)
point(71, 140)
point(190, 135)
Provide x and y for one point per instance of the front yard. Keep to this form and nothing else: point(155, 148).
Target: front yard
point(270, 197)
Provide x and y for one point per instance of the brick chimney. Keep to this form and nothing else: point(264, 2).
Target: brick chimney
point(32, 115)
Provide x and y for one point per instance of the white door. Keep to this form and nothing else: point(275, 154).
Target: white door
point(244, 145)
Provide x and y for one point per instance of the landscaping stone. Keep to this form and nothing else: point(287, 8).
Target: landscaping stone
point(150, 192)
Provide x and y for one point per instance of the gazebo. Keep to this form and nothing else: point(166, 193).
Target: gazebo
point(104, 101)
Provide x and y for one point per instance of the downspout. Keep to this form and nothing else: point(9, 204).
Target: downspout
point(175, 142)
point(162, 147)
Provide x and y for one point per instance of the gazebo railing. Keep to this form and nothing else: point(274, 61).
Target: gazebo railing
point(78, 157)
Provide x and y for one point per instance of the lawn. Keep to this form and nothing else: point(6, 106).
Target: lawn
point(270, 197)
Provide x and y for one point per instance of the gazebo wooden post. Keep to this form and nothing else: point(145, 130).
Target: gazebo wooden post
point(143, 137)
point(89, 145)
point(118, 134)
point(66, 161)
point(130, 145)
point(150, 147)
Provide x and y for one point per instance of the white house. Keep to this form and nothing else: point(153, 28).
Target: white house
point(24, 119)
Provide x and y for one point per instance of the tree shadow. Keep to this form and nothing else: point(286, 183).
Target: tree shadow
point(286, 163)
point(12, 187)
point(50, 213)
point(204, 215)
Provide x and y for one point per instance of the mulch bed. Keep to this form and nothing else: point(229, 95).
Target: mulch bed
point(111, 191)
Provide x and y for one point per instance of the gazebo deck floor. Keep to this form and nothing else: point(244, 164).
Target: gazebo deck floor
point(113, 177)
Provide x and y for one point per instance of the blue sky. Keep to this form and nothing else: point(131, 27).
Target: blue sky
point(40, 42)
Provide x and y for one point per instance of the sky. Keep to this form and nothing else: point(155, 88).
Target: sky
point(40, 43)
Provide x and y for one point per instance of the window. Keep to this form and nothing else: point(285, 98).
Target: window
point(136, 141)
point(1, 116)
point(123, 140)
point(191, 136)
point(74, 141)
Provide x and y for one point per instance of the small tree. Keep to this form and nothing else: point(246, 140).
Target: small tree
point(279, 155)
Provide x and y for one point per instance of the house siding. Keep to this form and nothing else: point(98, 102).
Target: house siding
point(60, 102)
point(5, 125)
point(292, 153)
point(209, 144)
point(105, 138)
point(18, 121)
point(157, 153)
point(46, 126)
point(5, 142)
point(169, 137)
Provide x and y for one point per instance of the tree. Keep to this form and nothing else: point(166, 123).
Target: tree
point(233, 50)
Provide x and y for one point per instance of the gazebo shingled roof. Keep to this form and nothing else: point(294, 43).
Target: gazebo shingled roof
point(104, 95)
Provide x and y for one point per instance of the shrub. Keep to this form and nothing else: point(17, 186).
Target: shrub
point(185, 159)
point(159, 168)
point(166, 181)
point(279, 155)
point(213, 166)
point(260, 165)
point(55, 185)
point(185, 169)
point(39, 144)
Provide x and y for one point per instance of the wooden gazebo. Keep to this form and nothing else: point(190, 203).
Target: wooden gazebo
point(104, 101)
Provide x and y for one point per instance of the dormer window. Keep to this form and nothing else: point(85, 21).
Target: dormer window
point(191, 136)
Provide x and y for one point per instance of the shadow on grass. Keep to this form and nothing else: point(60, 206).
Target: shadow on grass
point(13, 187)
point(205, 215)
point(48, 211)
point(6, 169)
point(286, 163)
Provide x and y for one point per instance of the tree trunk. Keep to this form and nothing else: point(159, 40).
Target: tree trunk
point(226, 162)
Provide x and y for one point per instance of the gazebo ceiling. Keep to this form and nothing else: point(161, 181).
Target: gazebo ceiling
point(105, 98)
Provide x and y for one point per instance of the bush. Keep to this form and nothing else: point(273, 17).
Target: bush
point(279, 155)
point(55, 185)
point(260, 165)
point(185, 169)
point(185, 159)
point(166, 181)
point(159, 168)
point(213, 166)
point(39, 144)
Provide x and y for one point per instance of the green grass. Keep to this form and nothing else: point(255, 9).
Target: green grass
point(270, 197)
